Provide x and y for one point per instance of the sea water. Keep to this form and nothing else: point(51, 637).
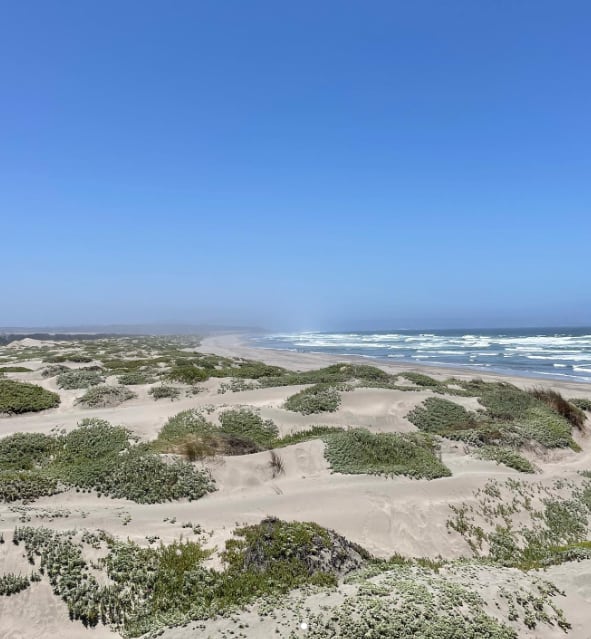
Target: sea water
point(559, 353)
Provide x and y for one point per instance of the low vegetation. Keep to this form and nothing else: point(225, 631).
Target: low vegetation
point(320, 398)
point(135, 378)
point(582, 403)
point(105, 396)
point(96, 456)
point(15, 369)
point(358, 451)
point(164, 391)
point(20, 397)
point(79, 378)
point(154, 587)
point(11, 584)
point(527, 525)
point(510, 419)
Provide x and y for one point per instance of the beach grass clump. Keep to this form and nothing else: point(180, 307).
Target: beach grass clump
point(15, 369)
point(20, 397)
point(320, 398)
point(135, 378)
point(105, 396)
point(248, 424)
point(187, 422)
point(571, 412)
point(164, 391)
point(334, 374)
point(507, 457)
point(581, 402)
point(79, 378)
point(357, 451)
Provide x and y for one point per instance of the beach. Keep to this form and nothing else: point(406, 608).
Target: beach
point(385, 515)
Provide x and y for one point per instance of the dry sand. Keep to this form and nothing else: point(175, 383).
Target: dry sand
point(384, 515)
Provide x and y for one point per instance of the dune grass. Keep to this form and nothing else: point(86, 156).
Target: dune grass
point(79, 378)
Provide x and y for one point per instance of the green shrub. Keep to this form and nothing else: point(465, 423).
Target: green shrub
point(320, 398)
point(315, 432)
point(79, 378)
point(507, 457)
point(15, 369)
point(247, 424)
point(187, 422)
point(19, 397)
point(582, 403)
point(25, 451)
point(187, 374)
point(98, 456)
point(105, 396)
point(135, 378)
point(78, 358)
point(26, 485)
point(163, 391)
point(10, 584)
point(421, 380)
point(438, 415)
point(512, 417)
point(55, 369)
point(358, 451)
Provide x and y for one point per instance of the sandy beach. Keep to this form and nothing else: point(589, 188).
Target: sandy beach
point(384, 515)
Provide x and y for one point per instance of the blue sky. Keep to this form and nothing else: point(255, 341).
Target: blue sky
point(319, 165)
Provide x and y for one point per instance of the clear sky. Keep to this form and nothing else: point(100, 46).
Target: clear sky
point(309, 164)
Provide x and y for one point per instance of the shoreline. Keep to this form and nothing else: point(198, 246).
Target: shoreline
point(236, 345)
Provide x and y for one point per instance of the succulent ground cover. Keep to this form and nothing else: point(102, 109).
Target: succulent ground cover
point(167, 585)
point(79, 378)
point(509, 420)
point(20, 397)
point(320, 398)
point(10, 584)
point(103, 396)
point(134, 378)
point(164, 391)
point(358, 451)
point(527, 524)
point(95, 456)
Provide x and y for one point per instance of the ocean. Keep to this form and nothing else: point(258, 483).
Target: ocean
point(557, 353)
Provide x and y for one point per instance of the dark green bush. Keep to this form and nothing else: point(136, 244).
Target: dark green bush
point(15, 369)
point(187, 374)
point(19, 397)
